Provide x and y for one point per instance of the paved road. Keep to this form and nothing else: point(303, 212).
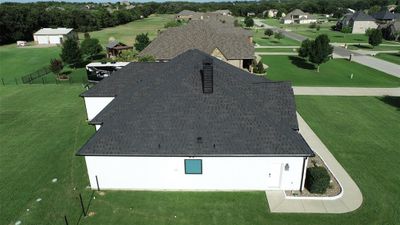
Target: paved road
point(349, 200)
point(346, 91)
point(378, 64)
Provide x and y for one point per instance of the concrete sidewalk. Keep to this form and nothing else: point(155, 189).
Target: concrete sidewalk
point(379, 64)
point(346, 91)
point(349, 200)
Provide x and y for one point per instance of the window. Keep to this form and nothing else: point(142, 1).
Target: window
point(193, 166)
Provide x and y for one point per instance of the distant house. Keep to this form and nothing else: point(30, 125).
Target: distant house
point(114, 48)
point(251, 14)
point(359, 22)
point(384, 16)
point(193, 123)
point(224, 12)
point(391, 31)
point(213, 16)
point(224, 41)
point(52, 36)
point(185, 15)
point(271, 13)
point(298, 17)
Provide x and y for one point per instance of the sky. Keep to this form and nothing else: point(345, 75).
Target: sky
point(1, 1)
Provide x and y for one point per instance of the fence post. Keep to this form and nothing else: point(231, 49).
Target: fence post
point(2, 81)
point(65, 219)
point(43, 80)
point(83, 207)
point(97, 182)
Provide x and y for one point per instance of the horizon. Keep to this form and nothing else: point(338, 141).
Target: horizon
point(114, 1)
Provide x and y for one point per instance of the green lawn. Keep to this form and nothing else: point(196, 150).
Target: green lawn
point(126, 33)
point(276, 49)
point(16, 62)
point(335, 72)
point(390, 57)
point(325, 28)
point(42, 127)
point(261, 39)
point(376, 48)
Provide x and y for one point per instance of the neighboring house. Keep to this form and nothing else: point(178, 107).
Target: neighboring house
point(185, 15)
point(391, 31)
point(384, 16)
point(271, 13)
point(224, 12)
point(193, 123)
point(359, 22)
point(214, 17)
point(251, 14)
point(114, 48)
point(298, 17)
point(224, 41)
point(52, 36)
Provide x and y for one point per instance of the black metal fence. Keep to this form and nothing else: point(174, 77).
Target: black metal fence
point(45, 79)
point(27, 79)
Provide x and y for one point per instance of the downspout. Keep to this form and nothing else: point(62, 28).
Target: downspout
point(302, 174)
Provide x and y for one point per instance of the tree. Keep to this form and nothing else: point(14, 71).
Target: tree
point(91, 47)
point(249, 22)
point(279, 35)
point(259, 67)
point(375, 37)
point(86, 35)
point(56, 66)
point(269, 32)
point(320, 50)
point(141, 42)
point(374, 9)
point(305, 48)
point(70, 52)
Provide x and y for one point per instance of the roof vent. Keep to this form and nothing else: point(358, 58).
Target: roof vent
point(207, 76)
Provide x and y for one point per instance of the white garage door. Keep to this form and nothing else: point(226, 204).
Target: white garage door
point(55, 40)
point(274, 175)
point(43, 40)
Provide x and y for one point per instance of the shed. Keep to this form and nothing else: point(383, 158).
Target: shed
point(53, 36)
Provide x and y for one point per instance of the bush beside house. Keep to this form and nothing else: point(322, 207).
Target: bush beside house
point(317, 180)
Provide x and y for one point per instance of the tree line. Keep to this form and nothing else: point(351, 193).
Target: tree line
point(18, 21)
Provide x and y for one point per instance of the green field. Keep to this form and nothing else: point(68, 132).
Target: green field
point(334, 73)
point(276, 50)
point(368, 47)
point(325, 28)
point(42, 127)
point(126, 33)
point(261, 39)
point(390, 57)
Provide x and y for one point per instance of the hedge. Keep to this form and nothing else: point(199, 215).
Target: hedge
point(317, 180)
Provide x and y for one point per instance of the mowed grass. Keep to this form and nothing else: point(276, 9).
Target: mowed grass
point(368, 47)
point(41, 127)
point(390, 57)
point(363, 135)
point(16, 62)
point(127, 33)
point(263, 40)
point(361, 132)
point(325, 28)
point(276, 50)
point(334, 73)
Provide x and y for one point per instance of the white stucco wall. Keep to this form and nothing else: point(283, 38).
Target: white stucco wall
point(219, 173)
point(95, 104)
point(360, 27)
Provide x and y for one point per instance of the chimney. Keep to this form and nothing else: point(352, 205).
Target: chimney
point(207, 76)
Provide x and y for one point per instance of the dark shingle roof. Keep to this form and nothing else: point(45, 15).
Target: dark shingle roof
point(206, 36)
point(384, 15)
point(361, 16)
point(160, 110)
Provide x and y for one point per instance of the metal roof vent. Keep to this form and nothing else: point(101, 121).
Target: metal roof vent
point(207, 76)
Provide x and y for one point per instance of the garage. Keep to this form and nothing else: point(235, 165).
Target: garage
point(53, 36)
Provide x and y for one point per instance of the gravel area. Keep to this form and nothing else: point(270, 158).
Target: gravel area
point(333, 189)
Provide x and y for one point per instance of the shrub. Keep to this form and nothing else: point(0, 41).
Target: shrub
point(249, 22)
point(146, 58)
point(174, 23)
point(313, 25)
point(279, 35)
point(375, 37)
point(141, 41)
point(259, 67)
point(56, 66)
point(346, 30)
point(268, 32)
point(317, 180)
